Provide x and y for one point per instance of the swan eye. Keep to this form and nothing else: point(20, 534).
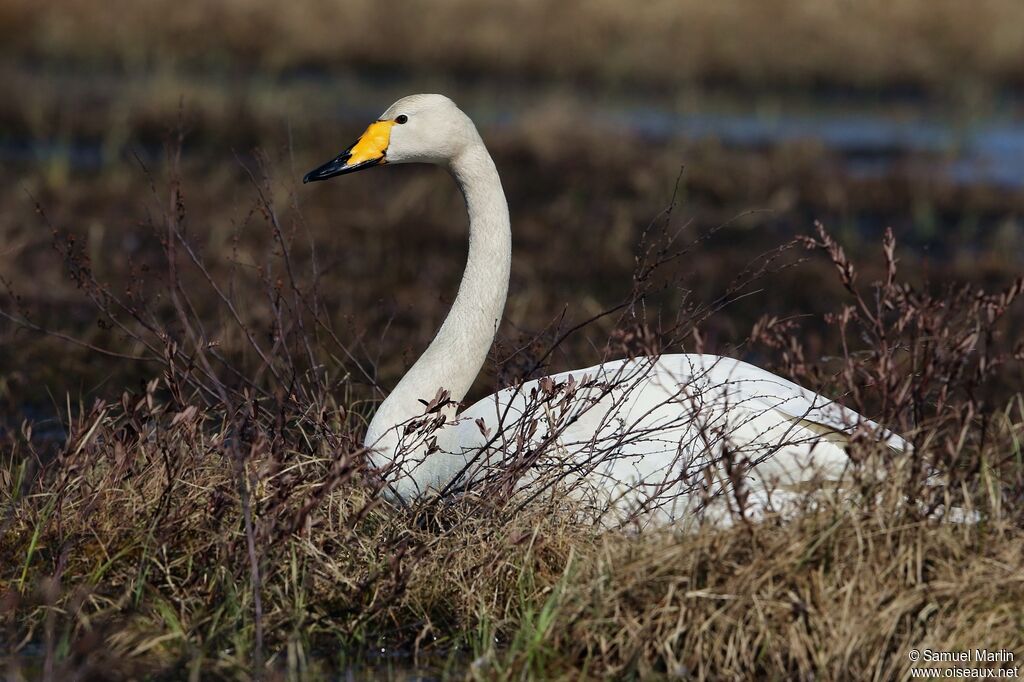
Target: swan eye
point(401, 118)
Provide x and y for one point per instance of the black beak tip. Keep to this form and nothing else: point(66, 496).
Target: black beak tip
point(339, 166)
point(335, 166)
point(328, 170)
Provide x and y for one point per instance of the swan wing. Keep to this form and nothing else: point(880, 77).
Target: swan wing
point(718, 383)
point(788, 398)
point(647, 431)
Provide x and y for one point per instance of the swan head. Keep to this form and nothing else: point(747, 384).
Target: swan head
point(415, 129)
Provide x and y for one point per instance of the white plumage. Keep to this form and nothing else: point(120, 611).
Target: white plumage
point(656, 438)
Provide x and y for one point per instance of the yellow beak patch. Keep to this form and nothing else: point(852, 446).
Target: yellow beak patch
point(372, 144)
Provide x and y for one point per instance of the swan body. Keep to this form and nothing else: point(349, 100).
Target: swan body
point(639, 435)
point(634, 437)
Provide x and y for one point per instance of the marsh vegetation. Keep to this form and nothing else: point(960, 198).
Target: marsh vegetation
point(192, 343)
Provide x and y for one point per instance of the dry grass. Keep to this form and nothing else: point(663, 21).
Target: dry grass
point(868, 43)
point(143, 538)
point(220, 518)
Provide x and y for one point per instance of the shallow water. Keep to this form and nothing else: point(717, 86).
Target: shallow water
point(870, 137)
point(988, 152)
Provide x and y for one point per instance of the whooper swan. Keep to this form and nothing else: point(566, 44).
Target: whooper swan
point(638, 437)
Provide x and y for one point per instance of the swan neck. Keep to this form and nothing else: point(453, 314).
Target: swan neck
point(454, 358)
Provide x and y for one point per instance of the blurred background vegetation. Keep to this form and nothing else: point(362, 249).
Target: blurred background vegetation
point(862, 114)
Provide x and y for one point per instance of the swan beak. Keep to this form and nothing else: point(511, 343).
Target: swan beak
point(369, 150)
